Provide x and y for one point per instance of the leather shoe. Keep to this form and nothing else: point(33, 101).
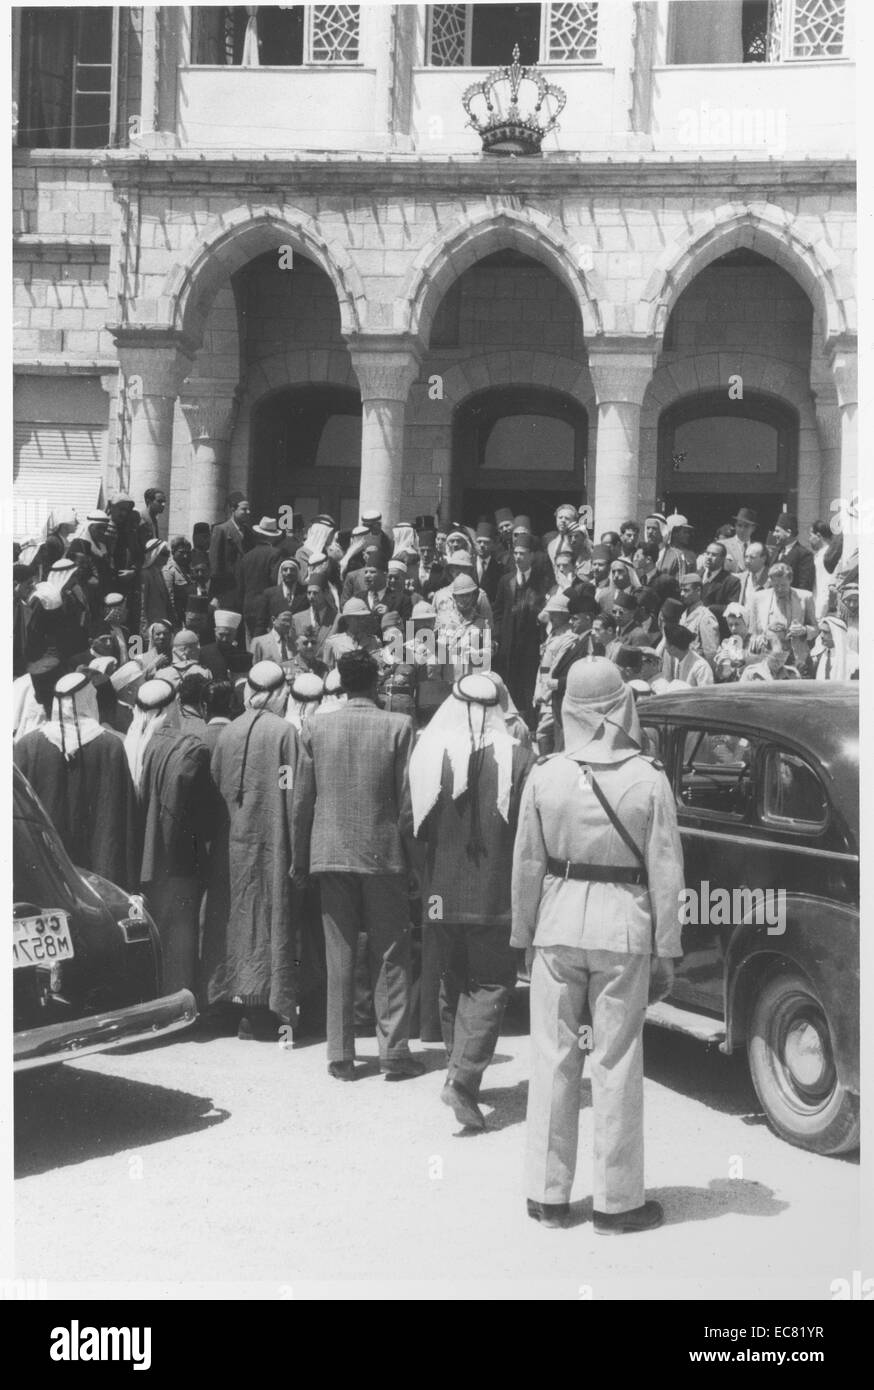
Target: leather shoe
point(552, 1214)
point(342, 1071)
point(460, 1100)
point(623, 1223)
point(402, 1068)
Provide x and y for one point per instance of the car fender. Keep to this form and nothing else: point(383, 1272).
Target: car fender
point(821, 939)
point(145, 957)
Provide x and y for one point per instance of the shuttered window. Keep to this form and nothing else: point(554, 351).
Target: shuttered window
point(55, 466)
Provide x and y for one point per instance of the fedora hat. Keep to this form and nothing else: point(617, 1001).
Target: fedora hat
point(268, 526)
point(746, 515)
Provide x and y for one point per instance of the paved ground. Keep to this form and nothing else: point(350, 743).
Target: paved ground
point(212, 1167)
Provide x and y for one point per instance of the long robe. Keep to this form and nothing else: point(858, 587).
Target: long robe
point(251, 944)
point(89, 800)
point(178, 813)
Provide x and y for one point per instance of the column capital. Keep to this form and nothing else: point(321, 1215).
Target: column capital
point(622, 368)
point(210, 407)
point(161, 357)
point(843, 359)
point(386, 365)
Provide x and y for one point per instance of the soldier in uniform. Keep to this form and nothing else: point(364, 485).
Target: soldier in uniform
point(597, 870)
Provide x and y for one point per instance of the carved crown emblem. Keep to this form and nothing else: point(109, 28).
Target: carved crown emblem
point(513, 108)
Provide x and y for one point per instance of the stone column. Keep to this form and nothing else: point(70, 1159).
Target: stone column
point(211, 411)
point(386, 369)
point(154, 364)
point(620, 374)
point(843, 360)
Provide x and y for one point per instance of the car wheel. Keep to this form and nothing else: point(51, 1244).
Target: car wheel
point(793, 1069)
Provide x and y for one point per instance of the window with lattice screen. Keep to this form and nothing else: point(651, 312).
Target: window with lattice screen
point(334, 34)
point(484, 35)
point(817, 29)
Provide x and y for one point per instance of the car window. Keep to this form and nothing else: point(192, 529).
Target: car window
point(793, 797)
point(716, 773)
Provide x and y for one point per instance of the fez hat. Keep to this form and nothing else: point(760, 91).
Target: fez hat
point(678, 636)
point(787, 521)
point(503, 515)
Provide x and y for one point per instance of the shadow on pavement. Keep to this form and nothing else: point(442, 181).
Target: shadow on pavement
point(688, 1068)
point(721, 1197)
point(69, 1115)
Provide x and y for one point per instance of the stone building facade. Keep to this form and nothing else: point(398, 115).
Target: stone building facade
point(285, 264)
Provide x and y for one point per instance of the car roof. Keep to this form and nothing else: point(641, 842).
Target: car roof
point(821, 717)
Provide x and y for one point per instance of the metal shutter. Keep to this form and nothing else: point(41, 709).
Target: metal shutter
point(56, 466)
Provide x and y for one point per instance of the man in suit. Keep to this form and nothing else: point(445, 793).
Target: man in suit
point(148, 530)
point(487, 572)
point(718, 587)
point(744, 524)
point(755, 574)
point(362, 851)
point(519, 600)
point(256, 573)
point(287, 594)
point(792, 553)
point(229, 541)
point(430, 575)
point(597, 872)
point(782, 606)
point(678, 557)
point(277, 644)
point(156, 603)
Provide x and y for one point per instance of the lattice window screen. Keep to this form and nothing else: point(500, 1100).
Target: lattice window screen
point(775, 32)
point(334, 34)
point(449, 36)
point(818, 28)
point(573, 33)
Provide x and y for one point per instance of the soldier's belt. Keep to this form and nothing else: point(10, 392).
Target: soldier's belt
point(595, 873)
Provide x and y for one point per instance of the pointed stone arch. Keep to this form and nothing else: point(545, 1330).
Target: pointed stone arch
point(228, 242)
point(761, 227)
point(534, 233)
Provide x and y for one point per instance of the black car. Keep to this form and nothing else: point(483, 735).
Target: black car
point(86, 956)
point(766, 780)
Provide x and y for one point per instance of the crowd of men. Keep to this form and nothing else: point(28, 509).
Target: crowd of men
point(171, 711)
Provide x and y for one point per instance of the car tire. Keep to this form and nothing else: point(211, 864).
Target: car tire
point(791, 1060)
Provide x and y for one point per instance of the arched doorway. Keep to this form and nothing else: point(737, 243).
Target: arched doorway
point(716, 455)
point(522, 447)
point(306, 452)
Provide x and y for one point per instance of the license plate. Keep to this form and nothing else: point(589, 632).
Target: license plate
point(43, 940)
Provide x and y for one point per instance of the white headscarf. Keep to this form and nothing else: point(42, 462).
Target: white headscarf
point(318, 538)
point(598, 713)
point(27, 711)
point(145, 723)
point(304, 698)
point(47, 595)
point(405, 539)
point(458, 729)
point(75, 719)
point(59, 576)
point(257, 698)
point(83, 532)
point(844, 660)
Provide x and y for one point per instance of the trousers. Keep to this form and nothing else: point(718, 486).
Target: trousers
point(376, 904)
point(606, 990)
point(477, 975)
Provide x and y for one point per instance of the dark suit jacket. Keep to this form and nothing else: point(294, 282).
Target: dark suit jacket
point(800, 561)
point(493, 573)
point(224, 664)
point(274, 601)
point(226, 547)
point(256, 572)
point(362, 822)
point(719, 591)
